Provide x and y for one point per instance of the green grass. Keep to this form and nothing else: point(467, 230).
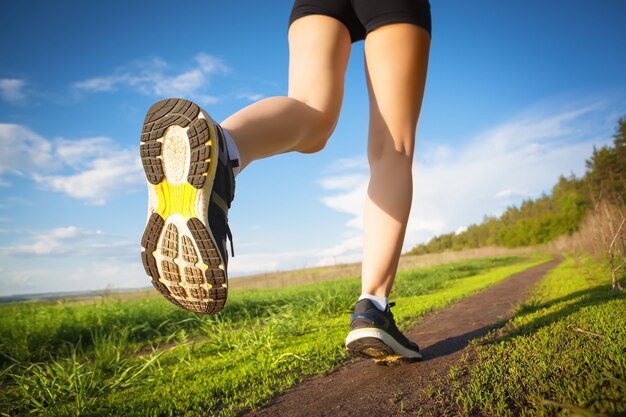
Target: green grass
point(146, 357)
point(564, 353)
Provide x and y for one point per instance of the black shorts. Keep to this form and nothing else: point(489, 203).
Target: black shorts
point(363, 16)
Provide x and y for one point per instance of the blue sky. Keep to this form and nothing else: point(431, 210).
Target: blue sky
point(518, 92)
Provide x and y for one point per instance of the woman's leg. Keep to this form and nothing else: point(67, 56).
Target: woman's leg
point(319, 48)
point(396, 59)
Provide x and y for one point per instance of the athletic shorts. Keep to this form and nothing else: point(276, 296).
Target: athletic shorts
point(363, 16)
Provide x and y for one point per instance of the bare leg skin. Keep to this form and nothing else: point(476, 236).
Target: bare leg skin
point(396, 62)
point(319, 49)
point(396, 58)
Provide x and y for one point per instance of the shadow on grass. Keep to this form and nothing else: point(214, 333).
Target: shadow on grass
point(590, 297)
point(573, 303)
point(566, 306)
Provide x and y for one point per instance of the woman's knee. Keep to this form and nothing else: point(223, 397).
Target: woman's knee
point(393, 144)
point(324, 126)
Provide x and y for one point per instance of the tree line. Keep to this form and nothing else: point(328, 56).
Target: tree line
point(600, 192)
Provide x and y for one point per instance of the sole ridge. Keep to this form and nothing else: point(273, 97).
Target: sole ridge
point(200, 152)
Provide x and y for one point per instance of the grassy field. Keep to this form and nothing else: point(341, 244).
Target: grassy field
point(282, 279)
point(564, 353)
point(146, 357)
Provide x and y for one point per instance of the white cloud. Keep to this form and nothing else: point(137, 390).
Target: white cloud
point(504, 193)
point(345, 164)
point(100, 179)
point(90, 169)
point(250, 96)
point(343, 182)
point(116, 273)
point(348, 250)
point(53, 242)
point(157, 78)
point(250, 263)
point(259, 262)
point(350, 202)
point(69, 241)
point(23, 151)
point(84, 275)
point(12, 90)
point(455, 187)
point(16, 280)
point(76, 152)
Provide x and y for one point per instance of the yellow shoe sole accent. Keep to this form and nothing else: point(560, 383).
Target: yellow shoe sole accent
point(173, 199)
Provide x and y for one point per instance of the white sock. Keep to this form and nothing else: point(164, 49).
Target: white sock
point(233, 151)
point(380, 302)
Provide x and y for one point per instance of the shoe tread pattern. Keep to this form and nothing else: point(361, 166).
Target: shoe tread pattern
point(214, 275)
point(177, 275)
point(160, 116)
point(149, 243)
point(376, 349)
point(200, 142)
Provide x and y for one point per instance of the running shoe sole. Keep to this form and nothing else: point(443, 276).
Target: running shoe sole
point(179, 151)
point(373, 343)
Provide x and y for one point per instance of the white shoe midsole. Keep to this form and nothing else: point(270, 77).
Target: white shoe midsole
point(385, 338)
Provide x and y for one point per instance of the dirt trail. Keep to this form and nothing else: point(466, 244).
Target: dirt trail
point(363, 389)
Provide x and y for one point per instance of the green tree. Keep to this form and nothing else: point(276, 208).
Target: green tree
point(601, 194)
point(606, 169)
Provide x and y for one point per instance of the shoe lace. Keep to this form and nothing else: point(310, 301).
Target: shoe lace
point(230, 239)
point(230, 163)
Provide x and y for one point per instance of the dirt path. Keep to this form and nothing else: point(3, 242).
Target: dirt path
point(363, 389)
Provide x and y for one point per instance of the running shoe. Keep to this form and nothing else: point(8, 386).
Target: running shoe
point(190, 189)
point(374, 335)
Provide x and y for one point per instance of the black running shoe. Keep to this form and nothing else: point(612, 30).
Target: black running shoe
point(190, 187)
point(374, 335)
